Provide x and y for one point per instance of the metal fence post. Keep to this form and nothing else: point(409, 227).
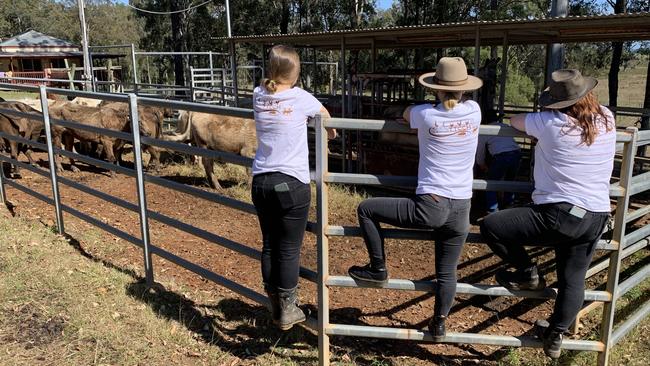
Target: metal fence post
point(52, 160)
point(627, 167)
point(3, 194)
point(142, 197)
point(135, 69)
point(322, 210)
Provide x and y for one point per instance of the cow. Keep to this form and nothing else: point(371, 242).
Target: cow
point(27, 128)
point(92, 116)
point(216, 132)
point(150, 119)
point(89, 102)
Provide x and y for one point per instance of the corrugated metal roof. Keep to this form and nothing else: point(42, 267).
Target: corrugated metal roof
point(39, 54)
point(33, 38)
point(95, 56)
point(632, 26)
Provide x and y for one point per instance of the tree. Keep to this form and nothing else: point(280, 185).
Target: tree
point(617, 51)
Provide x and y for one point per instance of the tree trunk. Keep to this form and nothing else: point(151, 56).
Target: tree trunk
point(178, 40)
point(617, 52)
point(645, 120)
point(285, 17)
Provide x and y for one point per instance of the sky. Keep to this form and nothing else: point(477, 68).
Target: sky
point(383, 4)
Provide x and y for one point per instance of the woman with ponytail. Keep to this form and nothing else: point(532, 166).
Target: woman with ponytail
point(574, 158)
point(280, 188)
point(447, 136)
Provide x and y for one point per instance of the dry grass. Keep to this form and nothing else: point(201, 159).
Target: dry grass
point(17, 95)
point(60, 308)
point(631, 89)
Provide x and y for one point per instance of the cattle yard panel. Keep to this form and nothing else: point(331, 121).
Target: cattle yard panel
point(618, 247)
point(621, 191)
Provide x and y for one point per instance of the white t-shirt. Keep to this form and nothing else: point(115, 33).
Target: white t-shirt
point(567, 170)
point(495, 145)
point(281, 126)
point(447, 142)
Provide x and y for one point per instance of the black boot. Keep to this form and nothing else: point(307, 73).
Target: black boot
point(526, 279)
point(274, 300)
point(290, 313)
point(551, 339)
point(437, 327)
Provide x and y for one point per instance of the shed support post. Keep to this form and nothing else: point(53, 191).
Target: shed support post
point(504, 73)
point(477, 58)
point(233, 68)
point(343, 109)
point(211, 63)
point(315, 72)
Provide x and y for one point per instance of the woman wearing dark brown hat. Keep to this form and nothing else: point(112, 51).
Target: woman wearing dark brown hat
point(574, 158)
point(447, 135)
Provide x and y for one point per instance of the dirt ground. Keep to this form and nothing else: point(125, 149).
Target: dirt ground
point(406, 259)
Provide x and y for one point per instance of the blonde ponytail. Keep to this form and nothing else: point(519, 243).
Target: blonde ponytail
point(449, 99)
point(270, 85)
point(283, 67)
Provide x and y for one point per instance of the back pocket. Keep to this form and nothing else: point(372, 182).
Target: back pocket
point(292, 195)
point(568, 224)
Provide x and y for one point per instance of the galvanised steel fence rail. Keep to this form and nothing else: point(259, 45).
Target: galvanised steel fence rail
point(619, 247)
point(138, 173)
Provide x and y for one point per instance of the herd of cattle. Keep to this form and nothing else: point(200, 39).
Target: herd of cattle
point(210, 131)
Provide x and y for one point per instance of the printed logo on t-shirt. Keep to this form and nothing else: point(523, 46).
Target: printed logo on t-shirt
point(450, 128)
point(274, 107)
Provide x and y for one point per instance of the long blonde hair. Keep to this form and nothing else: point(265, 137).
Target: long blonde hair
point(587, 113)
point(449, 99)
point(284, 67)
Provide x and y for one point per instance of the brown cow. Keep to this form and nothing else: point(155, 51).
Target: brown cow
point(92, 116)
point(151, 119)
point(221, 133)
point(20, 126)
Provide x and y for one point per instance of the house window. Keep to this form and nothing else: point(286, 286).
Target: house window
point(29, 64)
point(57, 63)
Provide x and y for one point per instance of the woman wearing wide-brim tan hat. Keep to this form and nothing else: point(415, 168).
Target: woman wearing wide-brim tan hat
point(574, 158)
point(450, 75)
point(447, 136)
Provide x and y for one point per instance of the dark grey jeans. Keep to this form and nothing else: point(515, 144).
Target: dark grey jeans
point(552, 225)
point(449, 218)
point(282, 204)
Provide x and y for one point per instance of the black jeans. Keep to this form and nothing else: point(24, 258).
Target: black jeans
point(552, 225)
point(448, 217)
point(282, 204)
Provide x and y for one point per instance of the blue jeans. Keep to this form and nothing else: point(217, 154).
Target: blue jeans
point(504, 166)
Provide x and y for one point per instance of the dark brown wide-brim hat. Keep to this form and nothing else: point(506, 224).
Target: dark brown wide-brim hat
point(566, 88)
point(450, 75)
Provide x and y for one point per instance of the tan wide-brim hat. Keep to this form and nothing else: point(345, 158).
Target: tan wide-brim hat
point(566, 88)
point(450, 75)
